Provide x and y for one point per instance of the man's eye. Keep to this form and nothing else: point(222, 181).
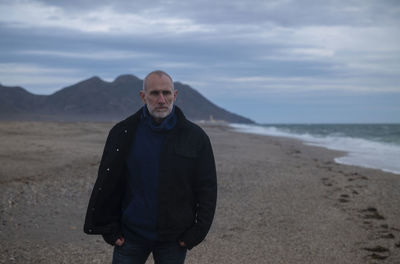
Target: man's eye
point(165, 93)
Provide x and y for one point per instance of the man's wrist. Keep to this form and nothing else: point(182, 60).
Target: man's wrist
point(120, 241)
point(182, 243)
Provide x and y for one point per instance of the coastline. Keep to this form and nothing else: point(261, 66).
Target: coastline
point(328, 212)
point(279, 201)
point(373, 146)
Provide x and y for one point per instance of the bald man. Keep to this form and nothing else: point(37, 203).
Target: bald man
point(156, 188)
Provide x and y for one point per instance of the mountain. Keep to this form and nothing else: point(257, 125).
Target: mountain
point(97, 100)
point(16, 101)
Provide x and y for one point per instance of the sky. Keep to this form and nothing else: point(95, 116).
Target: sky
point(278, 61)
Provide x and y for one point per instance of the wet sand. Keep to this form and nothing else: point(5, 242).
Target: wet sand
point(279, 201)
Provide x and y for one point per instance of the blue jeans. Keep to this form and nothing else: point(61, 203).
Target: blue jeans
point(137, 252)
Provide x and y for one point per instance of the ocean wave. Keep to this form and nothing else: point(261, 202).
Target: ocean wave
point(360, 152)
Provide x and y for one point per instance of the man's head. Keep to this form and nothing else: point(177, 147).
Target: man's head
point(158, 94)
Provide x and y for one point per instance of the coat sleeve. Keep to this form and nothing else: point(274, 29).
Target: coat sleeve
point(102, 216)
point(205, 194)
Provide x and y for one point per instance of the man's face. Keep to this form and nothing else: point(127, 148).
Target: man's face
point(159, 96)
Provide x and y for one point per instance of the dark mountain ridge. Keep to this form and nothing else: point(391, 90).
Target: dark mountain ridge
point(97, 100)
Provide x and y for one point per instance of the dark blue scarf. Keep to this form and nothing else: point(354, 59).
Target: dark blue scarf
point(167, 124)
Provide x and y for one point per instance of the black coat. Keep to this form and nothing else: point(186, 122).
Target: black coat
point(187, 183)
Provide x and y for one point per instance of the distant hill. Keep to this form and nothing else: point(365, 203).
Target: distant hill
point(97, 100)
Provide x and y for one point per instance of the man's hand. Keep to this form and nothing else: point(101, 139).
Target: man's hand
point(182, 244)
point(120, 241)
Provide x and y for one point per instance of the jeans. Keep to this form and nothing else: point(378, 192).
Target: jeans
point(137, 252)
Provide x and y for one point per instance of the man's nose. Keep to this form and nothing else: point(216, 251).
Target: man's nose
point(161, 99)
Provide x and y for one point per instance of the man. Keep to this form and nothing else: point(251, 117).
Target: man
point(156, 187)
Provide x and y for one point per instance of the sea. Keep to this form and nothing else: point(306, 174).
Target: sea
point(367, 145)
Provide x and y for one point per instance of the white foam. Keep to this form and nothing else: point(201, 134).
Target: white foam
point(360, 152)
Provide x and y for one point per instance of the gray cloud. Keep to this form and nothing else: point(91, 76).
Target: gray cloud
point(290, 13)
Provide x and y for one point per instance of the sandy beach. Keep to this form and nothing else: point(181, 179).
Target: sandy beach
point(279, 200)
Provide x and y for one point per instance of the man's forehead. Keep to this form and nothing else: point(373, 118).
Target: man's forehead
point(156, 81)
point(157, 75)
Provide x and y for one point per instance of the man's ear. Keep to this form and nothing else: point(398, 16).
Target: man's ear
point(175, 94)
point(143, 96)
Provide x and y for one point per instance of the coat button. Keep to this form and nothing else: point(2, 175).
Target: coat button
point(90, 230)
point(99, 188)
point(126, 131)
point(108, 169)
point(117, 149)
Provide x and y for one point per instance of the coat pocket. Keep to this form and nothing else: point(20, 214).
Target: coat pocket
point(185, 151)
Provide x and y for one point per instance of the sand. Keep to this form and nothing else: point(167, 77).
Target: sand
point(279, 200)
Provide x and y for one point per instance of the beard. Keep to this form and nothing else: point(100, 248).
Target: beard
point(158, 113)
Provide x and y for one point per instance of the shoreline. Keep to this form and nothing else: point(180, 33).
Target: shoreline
point(357, 150)
point(367, 199)
point(279, 200)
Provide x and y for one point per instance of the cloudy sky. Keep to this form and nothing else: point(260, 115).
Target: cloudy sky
point(278, 61)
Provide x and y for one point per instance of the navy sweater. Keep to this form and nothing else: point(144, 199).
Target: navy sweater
point(140, 214)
